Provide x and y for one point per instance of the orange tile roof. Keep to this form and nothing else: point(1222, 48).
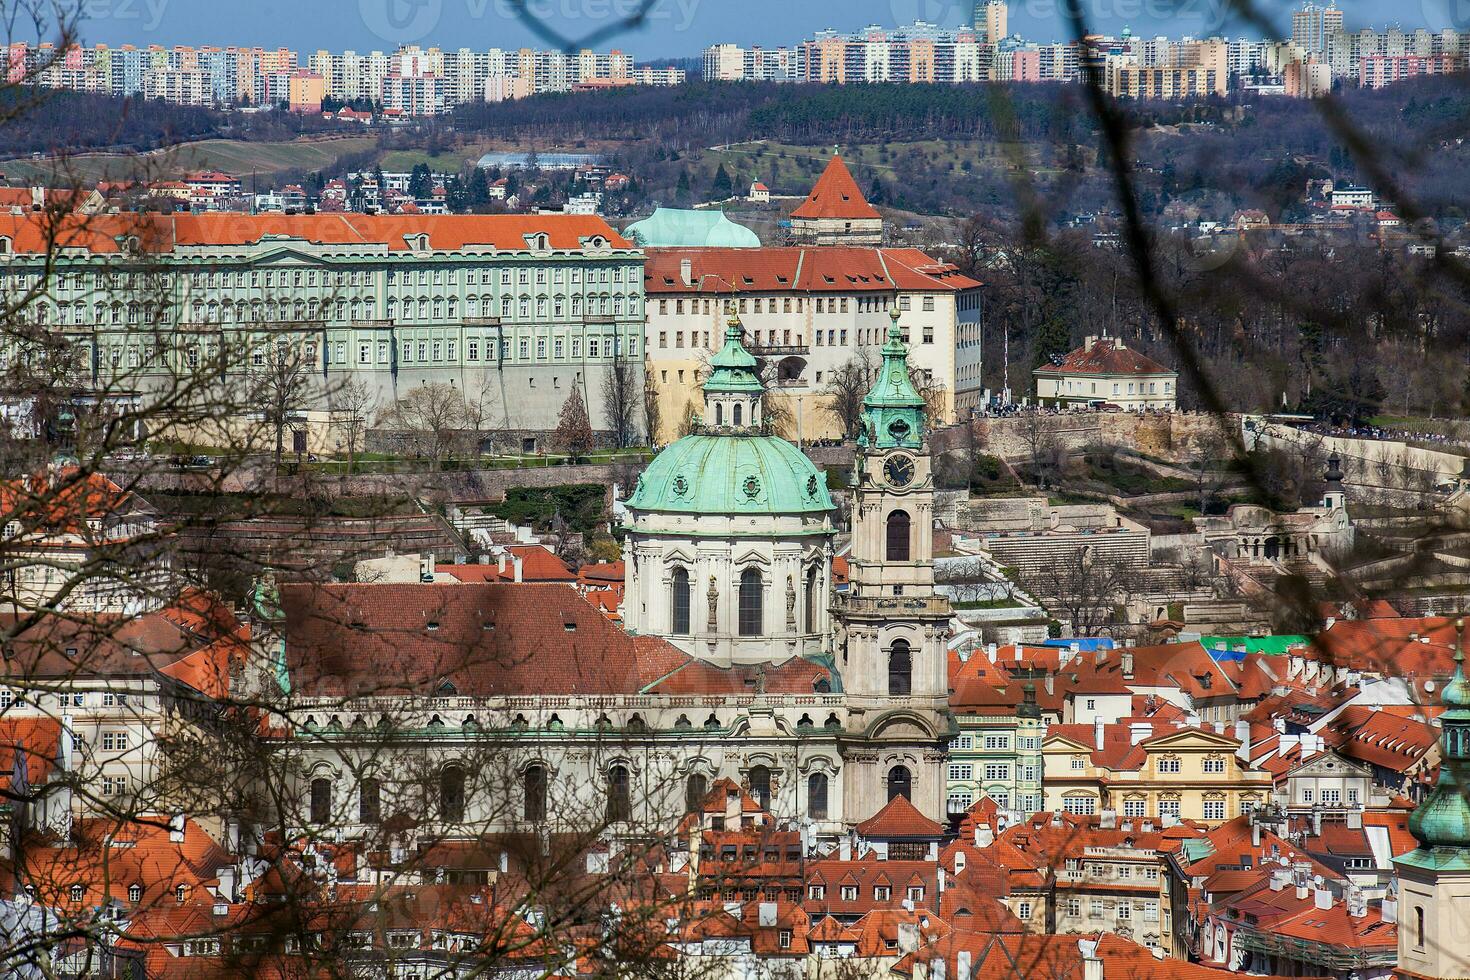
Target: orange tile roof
point(835, 269)
point(836, 195)
point(1105, 357)
point(32, 233)
point(899, 818)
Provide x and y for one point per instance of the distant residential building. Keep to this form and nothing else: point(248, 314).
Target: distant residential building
point(1352, 196)
point(1105, 371)
point(991, 20)
point(1379, 70)
point(1307, 79)
point(759, 193)
point(1312, 25)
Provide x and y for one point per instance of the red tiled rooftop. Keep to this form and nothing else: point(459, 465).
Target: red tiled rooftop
point(836, 196)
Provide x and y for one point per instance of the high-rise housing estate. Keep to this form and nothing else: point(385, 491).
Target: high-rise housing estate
point(420, 81)
point(1313, 25)
point(991, 20)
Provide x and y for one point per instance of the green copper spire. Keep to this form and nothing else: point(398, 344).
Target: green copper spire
point(1443, 819)
point(733, 369)
point(893, 412)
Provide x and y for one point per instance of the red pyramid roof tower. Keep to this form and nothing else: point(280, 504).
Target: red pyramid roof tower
point(836, 196)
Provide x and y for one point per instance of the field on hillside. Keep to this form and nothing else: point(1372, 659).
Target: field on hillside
point(236, 157)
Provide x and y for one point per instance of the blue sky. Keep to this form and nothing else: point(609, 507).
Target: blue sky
point(675, 27)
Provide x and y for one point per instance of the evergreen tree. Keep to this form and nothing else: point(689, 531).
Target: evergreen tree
point(723, 186)
point(573, 428)
point(478, 189)
point(420, 181)
point(1053, 339)
point(876, 194)
point(681, 189)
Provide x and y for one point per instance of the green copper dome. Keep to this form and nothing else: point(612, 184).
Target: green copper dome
point(893, 411)
point(735, 468)
point(1443, 819)
point(732, 474)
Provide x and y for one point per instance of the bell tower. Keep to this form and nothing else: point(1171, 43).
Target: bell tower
point(1434, 878)
point(893, 627)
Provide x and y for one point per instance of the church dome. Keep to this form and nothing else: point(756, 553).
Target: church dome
point(732, 475)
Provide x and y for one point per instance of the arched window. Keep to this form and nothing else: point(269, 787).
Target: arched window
point(811, 599)
point(735, 412)
point(619, 795)
point(900, 783)
point(719, 413)
point(1419, 927)
point(898, 536)
point(534, 783)
point(321, 800)
point(696, 788)
point(451, 794)
point(760, 786)
point(369, 800)
point(752, 618)
point(816, 796)
point(680, 624)
point(900, 668)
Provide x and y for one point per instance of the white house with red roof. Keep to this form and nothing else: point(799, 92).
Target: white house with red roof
point(1105, 371)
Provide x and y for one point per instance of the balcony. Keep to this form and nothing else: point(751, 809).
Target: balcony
point(780, 350)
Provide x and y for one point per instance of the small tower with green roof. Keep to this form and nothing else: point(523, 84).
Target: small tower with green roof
point(733, 390)
point(893, 411)
point(1434, 878)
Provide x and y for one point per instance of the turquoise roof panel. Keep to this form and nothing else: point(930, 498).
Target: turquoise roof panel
point(673, 228)
point(732, 475)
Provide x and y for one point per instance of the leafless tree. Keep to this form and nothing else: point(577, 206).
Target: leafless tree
point(433, 416)
point(620, 400)
point(351, 407)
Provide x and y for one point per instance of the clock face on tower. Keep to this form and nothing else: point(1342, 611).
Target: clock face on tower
point(899, 470)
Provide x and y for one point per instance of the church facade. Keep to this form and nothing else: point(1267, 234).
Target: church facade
point(454, 710)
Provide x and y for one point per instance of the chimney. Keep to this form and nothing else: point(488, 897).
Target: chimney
point(1097, 732)
point(766, 914)
point(67, 728)
point(500, 563)
point(1107, 819)
point(962, 965)
point(844, 850)
point(1302, 890)
point(984, 836)
point(1127, 661)
point(1243, 736)
point(1322, 898)
point(1018, 652)
point(1138, 731)
point(990, 652)
point(1389, 910)
point(1255, 831)
point(1102, 655)
point(686, 272)
point(908, 937)
point(1087, 343)
point(1279, 878)
point(1051, 683)
point(1092, 964)
point(1357, 904)
point(518, 566)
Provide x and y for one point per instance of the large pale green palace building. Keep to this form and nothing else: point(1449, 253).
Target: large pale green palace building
point(515, 311)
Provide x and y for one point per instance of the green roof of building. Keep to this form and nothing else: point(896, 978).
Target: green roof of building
point(893, 410)
point(733, 369)
point(732, 474)
point(1278, 643)
point(672, 228)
